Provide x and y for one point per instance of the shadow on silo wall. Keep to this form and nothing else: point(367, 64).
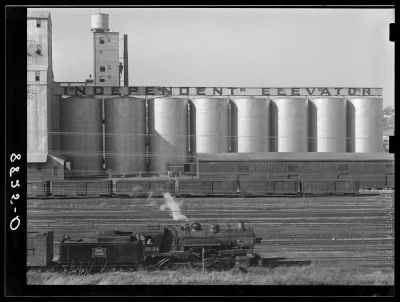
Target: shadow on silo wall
point(234, 128)
point(81, 136)
point(351, 127)
point(273, 128)
point(312, 127)
point(125, 129)
point(170, 146)
point(192, 134)
point(161, 153)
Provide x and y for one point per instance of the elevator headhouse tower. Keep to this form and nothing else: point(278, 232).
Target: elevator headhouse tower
point(105, 52)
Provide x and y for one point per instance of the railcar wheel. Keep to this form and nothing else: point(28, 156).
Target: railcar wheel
point(194, 262)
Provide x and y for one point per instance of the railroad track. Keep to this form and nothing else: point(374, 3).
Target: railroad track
point(355, 231)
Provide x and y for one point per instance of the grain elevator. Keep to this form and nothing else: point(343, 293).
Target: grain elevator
point(100, 128)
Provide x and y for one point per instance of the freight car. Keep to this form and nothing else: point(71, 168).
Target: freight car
point(230, 188)
point(198, 188)
point(371, 170)
point(38, 189)
point(144, 188)
point(81, 188)
point(158, 246)
point(189, 188)
point(39, 248)
point(329, 187)
point(269, 187)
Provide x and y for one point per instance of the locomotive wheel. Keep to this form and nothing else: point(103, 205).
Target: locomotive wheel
point(194, 262)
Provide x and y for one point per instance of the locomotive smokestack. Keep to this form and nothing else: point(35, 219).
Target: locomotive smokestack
point(126, 80)
point(241, 225)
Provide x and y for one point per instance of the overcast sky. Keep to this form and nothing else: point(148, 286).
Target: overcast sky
point(235, 47)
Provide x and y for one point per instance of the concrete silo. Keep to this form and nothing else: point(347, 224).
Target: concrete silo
point(168, 132)
point(125, 135)
point(209, 125)
point(289, 125)
point(364, 124)
point(81, 136)
point(327, 125)
point(250, 124)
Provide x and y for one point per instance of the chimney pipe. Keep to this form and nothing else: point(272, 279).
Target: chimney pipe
point(126, 80)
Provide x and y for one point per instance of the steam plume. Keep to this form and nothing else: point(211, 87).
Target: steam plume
point(175, 207)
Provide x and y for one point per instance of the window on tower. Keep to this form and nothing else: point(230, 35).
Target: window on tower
point(109, 77)
point(102, 40)
point(109, 66)
point(101, 51)
point(37, 76)
point(102, 79)
point(102, 68)
point(38, 23)
point(39, 49)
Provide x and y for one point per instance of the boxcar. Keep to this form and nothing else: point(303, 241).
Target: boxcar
point(372, 170)
point(257, 188)
point(39, 248)
point(329, 187)
point(38, 188)
point(144, 188)
point(390, 181)
point(269, 187)
point(186, 188)
point(81, 188)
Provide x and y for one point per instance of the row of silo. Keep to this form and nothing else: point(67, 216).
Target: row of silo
point(125, 135)
point(209, 125)
point(81, 135)
point(290, 124)
point(364, 125)
point(168, 132)
point(214, 125)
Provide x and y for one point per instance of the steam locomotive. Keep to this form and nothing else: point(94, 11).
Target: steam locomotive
point(153, 246)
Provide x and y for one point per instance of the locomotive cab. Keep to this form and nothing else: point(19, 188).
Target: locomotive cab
point(151, 244)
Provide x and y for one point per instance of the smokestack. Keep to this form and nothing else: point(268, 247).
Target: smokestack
point(126, 80)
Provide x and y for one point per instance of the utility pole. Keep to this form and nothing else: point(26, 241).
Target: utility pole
point(202, 258)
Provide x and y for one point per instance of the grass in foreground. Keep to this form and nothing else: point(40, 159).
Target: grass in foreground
point(306, 275)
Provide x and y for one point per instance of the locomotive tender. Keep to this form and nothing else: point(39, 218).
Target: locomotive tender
point(155, 246)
